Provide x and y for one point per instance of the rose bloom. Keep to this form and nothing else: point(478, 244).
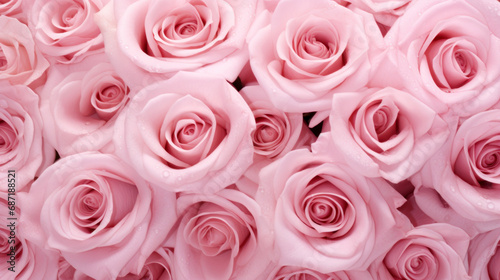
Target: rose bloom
point(276, 132)
point(80, 105)
point(148, 38)
point(220, 237)
point(20, 60)
point(429, 252)
point(386, 132)
point(65, 30)
point(98, 213)
point(299, 273)
point(28, 261)
point(311, 49)
point(449, 59)
point(484, 256)
point(465, 175)
point(326, 216)
point(22, 147)
point(189, 133)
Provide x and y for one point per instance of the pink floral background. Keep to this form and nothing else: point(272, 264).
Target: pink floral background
point(250, 139)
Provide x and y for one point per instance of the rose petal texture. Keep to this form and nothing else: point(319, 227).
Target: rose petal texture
point(310, 50)
point(13, 8)
point(385, 12)
point(22, 147)
point(386, 132)
point(484, 256)
point(189, 133)
point(27, 261)
point(154, 41)
point(20, 60)
point(326, 216)
point(98, 213)
point(276, 132)
point(461, 180)
point(65, 30)
point(158, 266)
point(296, 273)
point(433, 251)
point(222, 236)
point(449, 60)
point(80, 105)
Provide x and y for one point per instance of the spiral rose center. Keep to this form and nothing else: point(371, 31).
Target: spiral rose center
point(452, 62)
point(69, 17)
point(416, 262)
point(269, 135)
point(187, 29)
point(325, 209)
point(107, 96)
point(3, 61)
point(8, 139)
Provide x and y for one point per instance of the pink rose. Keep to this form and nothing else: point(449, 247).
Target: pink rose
point(484, 256)
point(385, 132)
point(20, 60)
point(220, 237)
point(276, 132)
point(26, 261)
point(465, 175)
point(433, 251)
point(326, 216)
point(65, 30)
point(449, 59)
point(22, 147)
point(310, 50)
point(98, 213)
point(80, 105)
point(298, 273)
point(189, 133)
point(152, 39)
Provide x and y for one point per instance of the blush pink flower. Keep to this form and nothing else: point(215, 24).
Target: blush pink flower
point(156, 40)
point(465, 174)
point(22, 147)
point(326, 216)
point(449, 59)
point(98, 213)
point(276, 132)
point(220, 237)
point(386, 132)
point(189, 133)
point(65, 30)
point(80, 105)
point(309, 50)
point(20, 60)
point(430, 252)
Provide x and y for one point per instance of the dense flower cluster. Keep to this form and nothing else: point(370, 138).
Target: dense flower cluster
point(250, 139)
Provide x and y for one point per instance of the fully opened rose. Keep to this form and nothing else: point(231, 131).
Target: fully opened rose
point(98, 214)
point(449, 59)
point(182, 137)
point(325, 215)
point(465, 175)
point(250, 139)
point(309, 50)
